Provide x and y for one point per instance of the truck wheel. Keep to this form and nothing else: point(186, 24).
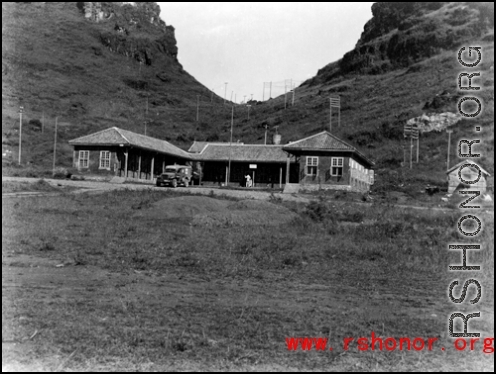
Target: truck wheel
point(174, 183)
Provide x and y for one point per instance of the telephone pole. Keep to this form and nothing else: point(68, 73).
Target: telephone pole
point(294, 90)
point(449, 145)
point(225, 91)
point(265, 134)
point(228, 174)
point(55, 146)
point(334, 102)
point(21, 109)
point(411, 151)
point(285, 96)
point(197, 108)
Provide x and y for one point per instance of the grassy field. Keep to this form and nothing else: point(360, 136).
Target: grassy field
point(106, 282)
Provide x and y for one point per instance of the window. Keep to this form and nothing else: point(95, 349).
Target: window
point(105, 160)
point(312, 163)
point(337, 166)
point(84, 157)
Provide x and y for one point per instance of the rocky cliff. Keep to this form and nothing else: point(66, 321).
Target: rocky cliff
point(400, 34)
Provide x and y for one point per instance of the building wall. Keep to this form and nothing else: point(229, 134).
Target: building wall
point(92, 166)
point(354, 174)
point(136, 168)
point(214, 173)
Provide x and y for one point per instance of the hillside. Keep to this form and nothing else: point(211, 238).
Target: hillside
point(99, 74)
point(120, 68)
point(404, 66)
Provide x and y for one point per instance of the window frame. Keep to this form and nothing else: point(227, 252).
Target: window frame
point(339, 165)
point(82, 159)
point(104, 159)
point(312, 165)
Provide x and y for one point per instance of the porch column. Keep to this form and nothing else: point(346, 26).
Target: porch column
point(74, 159)
point(151, 171)
point(139, 165)
point(287, 168)
point(280, 177)
point(126, 156)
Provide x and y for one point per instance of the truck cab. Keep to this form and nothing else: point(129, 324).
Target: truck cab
point(175, 175)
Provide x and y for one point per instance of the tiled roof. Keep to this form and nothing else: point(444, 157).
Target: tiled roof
point(322, 140)
point(243, 152)
point(457, 166)
point(197, 147)
point(116, 136)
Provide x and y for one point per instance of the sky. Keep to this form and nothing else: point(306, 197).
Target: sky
point(247, 44)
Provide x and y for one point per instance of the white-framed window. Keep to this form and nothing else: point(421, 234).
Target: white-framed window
point(312, 164)
point(84, 159)
point(104, 160)
point(337, 166)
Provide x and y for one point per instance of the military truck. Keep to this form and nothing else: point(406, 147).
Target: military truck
point(175, 175)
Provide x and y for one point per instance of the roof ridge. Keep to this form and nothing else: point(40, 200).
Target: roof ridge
point(119, 132)
point(308, 137)
point(92, 134)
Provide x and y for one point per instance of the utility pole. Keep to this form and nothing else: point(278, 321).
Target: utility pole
point(263, 92)
point(225, 91)
point(449, 145)
point(334, 102)
point(228, 174)
point(251, 97)
point(21, 109)
point(212, 95)
point(411, 151)
point(270, 91)
point(197, 108)
point(285, 96)
point(244, 99)
point(146, 113)
point(55, 146)
point(265, 134)
point(418, 146)
point(294, 90)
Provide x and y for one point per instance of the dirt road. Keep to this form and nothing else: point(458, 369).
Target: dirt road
point(94, 186)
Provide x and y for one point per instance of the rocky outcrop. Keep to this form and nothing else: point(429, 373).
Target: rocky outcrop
point(400, 34)
point(434, 122)
point(135, 29)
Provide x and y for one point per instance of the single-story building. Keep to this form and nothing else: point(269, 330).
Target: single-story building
point(320, 161)
point(125, 154)
point(266, 164)
point(468, 173)
point(330, 163)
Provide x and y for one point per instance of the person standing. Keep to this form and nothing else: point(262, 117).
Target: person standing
point(248, 180)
